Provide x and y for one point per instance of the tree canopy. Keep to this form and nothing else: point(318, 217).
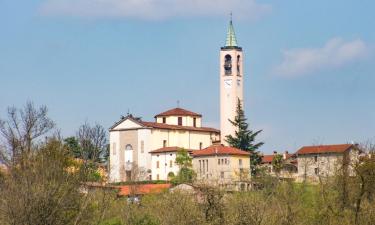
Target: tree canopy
point(244, 138)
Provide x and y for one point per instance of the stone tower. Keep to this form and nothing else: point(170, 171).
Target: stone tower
point(231, 82)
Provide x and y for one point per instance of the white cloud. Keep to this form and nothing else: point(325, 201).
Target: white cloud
point(335, 53)
point(154, 9)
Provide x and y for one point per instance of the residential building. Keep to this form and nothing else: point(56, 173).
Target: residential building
point(163, 162)
point(222, 165)
point(289, 165)
point(321, 161)
point(132, 140)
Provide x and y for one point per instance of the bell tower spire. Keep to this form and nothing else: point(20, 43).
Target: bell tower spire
point(231, 40)
point(231, 82)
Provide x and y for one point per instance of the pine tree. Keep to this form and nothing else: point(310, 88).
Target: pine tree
point(244, 138)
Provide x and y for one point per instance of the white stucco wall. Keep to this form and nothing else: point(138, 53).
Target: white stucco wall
point(186, 120)
point(231, 88)
point(164, 160)
point(144, 158)
point(114, 171)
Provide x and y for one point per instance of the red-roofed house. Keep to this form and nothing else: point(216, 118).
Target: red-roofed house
point(325, 160)
point(289, 169)
point(163, 162)
point(222, 165)
point(132, 140)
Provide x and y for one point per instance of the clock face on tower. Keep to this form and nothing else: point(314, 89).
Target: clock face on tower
point(228, 83)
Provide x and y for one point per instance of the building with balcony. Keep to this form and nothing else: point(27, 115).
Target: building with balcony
point(222, 165)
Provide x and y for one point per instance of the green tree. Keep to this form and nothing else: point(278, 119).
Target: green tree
point(73, 147)
point(244, 138)
point(183, 159)
point(277, 163)
point(186, 174)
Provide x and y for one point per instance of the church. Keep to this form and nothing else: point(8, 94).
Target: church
point(141, 150)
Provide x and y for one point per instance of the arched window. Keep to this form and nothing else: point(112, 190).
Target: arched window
point(228, 65)
point(238, 65)
point(128, 153)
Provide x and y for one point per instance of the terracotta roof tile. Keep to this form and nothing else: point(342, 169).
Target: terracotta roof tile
point(169, 149)
point(269, 158)
point(324, 149)
point(177, 127)
point(178, 112)
point(219, 150)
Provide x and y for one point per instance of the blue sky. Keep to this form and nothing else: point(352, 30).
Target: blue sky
point(310, 66)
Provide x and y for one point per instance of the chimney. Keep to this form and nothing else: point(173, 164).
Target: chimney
point(285, 155)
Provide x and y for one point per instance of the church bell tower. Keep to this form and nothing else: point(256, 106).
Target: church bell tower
point(231, 82)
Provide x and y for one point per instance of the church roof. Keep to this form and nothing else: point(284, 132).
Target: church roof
point(177, 127)
point(219, 150)
point(231, 40)
point(178, 112)
point(169, 149)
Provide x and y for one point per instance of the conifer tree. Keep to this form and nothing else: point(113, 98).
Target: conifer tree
point(244, 138)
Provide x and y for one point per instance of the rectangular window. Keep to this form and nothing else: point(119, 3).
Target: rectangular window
point(222, 161)
point(194, 122)
point(226, 161)
point(170, 163)
point(200, 145)
point(200, 167)
point(180, 121)
point(164, 120)
point(164, 143)
point(157, 164)
point(240, 162)
point(207, 165)
point(222, 175)
point(316, 171)
point(218, 161)
point(142, 146)
point(204, 168)
point(114, 148)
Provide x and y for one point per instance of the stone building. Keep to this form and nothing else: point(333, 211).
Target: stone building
point(325, 160)
point(289, 165)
